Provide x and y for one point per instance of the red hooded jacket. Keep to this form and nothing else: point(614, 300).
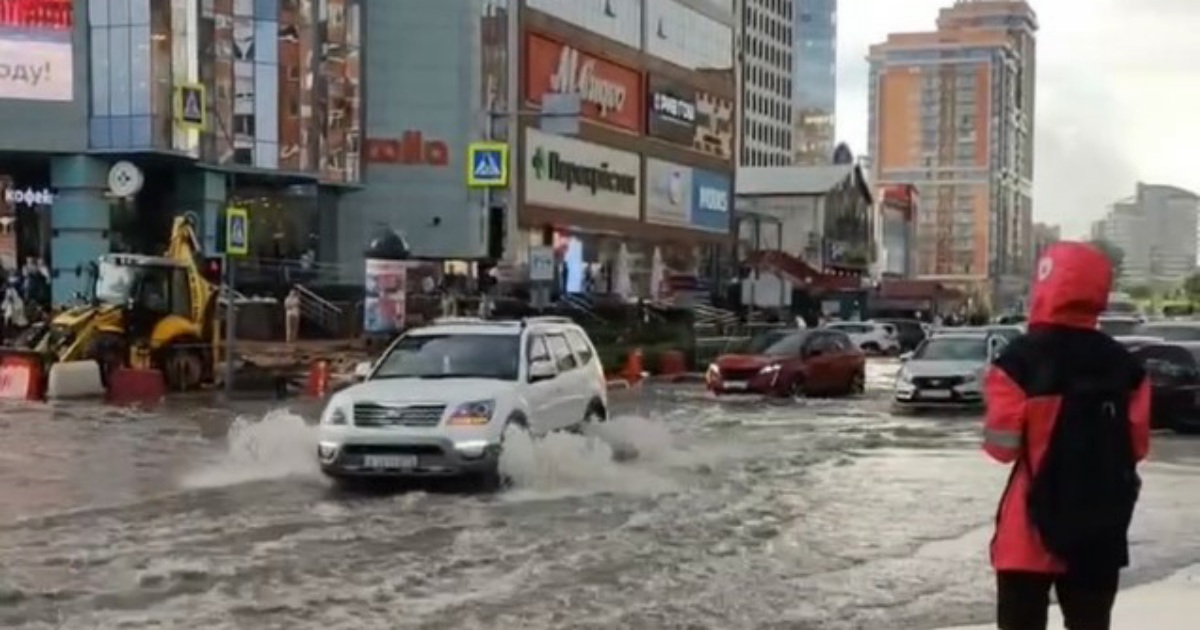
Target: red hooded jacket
point(1070, 290)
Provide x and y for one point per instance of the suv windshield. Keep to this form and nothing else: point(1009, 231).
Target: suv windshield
point(452, 356)
point(953, 349)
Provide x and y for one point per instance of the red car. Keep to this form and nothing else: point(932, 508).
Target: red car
point(801, 363)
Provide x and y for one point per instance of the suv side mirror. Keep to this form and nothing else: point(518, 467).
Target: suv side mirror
point(906, 357)
point(542, 369)
point(362, 370)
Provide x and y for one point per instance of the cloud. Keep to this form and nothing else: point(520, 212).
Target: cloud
point(1118, 86)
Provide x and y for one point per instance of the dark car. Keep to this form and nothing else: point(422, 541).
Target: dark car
point(909, 332)
point(1118, 325)
point(1174, 370)
point(1133, 342)
point(1170, 330)
point(810, 362)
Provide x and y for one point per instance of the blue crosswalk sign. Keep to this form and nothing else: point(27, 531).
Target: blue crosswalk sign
point(487, 164)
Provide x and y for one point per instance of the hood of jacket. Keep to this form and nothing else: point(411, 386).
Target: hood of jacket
point(1070, 286)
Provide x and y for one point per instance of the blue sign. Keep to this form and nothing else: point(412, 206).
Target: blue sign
point(487, 164)
point(712, 201)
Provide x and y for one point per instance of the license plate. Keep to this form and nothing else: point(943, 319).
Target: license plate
point(735, 384)
point(936, 394)
point(390, 462)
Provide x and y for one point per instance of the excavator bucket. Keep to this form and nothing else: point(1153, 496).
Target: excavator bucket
point(74, 379)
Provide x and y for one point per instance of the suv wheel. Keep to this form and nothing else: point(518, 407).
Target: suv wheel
point(872, 348)
point(494, 479)
point(595, 413)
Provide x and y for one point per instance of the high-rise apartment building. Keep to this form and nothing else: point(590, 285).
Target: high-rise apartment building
point(814, 92)
point(1156, 231)
point(766, 81)
point(951, 112)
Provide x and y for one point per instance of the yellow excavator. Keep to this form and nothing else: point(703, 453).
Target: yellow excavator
point(147, 312)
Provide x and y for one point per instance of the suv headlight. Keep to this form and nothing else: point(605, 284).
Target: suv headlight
point(334, 415)
point(472, 414)
point(904, 376)
point(969, 378)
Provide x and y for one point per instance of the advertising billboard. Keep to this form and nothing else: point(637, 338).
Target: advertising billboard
point(36, 62)
point(711, 200)
point(671, 111)
point(610, 93)
point(668, 193)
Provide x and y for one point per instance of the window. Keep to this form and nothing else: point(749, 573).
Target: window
point(580, 345)
point(561, 352)
point(537, 350)
point(451, 356)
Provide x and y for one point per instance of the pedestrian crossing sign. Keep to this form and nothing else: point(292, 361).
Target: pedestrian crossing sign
point(487, 165)
point(237, 232)
point(191, 111)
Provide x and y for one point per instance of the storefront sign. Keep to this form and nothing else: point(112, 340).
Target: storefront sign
point(611, 93)
point(570, 174)
point(668, 193)
point(36, 60)
point(28, 197)
point(714, 125)
point(413, 148)
point(711, 200)
point(671, 111)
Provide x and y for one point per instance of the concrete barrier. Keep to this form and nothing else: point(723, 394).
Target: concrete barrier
point(74, 379)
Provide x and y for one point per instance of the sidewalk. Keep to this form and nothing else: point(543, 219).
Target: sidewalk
point(1172, 604)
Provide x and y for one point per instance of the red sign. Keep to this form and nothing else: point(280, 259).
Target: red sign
point(51, 14)
point(610, 93)
point(412, 149)
point(902, 198)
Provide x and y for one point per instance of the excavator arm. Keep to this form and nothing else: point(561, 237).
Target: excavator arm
point(184, 246)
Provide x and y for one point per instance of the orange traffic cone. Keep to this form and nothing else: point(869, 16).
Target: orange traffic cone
point(318, 379)
point(633, 367)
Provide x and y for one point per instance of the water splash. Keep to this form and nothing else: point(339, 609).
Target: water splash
point(624, 455)
point(277, 446)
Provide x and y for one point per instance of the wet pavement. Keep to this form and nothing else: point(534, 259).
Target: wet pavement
point(736, 514)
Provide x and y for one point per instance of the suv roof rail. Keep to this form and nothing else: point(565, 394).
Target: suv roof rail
point(548, 319)
point(442, 321)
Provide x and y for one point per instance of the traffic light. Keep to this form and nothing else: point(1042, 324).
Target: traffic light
point(214, 269)
point(497, 231)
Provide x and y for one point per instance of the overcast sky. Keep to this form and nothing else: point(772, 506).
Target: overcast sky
point(1118, 95)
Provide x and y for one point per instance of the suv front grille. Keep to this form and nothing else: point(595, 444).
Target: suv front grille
point(376, 415)
point(938, 381)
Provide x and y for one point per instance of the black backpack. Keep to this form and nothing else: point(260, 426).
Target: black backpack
point(1081, 500)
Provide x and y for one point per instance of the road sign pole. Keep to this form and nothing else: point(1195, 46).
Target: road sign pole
point(230, 323)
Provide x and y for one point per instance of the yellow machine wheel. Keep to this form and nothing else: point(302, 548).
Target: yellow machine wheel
point(183, 368)
point(109, 352)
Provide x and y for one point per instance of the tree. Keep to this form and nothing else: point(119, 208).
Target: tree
point(1141, 292)
point(1191, 285)
point(1116, 256)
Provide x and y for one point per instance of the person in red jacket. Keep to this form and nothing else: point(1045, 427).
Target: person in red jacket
point(1069, 407)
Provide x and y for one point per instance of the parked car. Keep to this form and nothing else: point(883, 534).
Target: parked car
point(1174, 371)
point(1133, 342)
point(946, 371)
point(1118, 325)
point(817, 362)
point(1006, 331)
point(871, 337)
point(440, 398)
point(909, 332)
point(1170, 330)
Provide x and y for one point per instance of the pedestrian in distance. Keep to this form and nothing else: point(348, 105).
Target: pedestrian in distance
point(291, 315)
point(1069, 408)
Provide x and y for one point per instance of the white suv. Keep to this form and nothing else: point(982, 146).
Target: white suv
point(870, 337)
point(439, 399)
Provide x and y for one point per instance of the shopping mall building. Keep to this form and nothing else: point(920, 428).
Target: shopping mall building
point(650, 165)
point(253, 103)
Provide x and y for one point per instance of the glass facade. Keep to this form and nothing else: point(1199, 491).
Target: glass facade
point(620, 20)
point(282, 79)
point(687, 37)
point(815, 87)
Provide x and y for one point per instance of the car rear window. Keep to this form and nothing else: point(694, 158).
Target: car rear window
point(580, 345)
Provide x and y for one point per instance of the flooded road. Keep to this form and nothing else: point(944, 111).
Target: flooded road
point(740, 514)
